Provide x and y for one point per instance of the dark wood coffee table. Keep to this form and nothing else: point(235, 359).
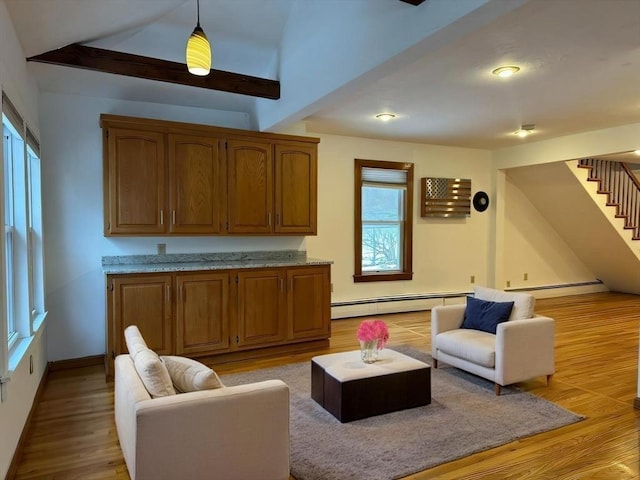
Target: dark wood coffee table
point(350, 389)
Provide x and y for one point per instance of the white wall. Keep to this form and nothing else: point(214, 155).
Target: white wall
point(72, 197)
point(20, 391)
point(538, 157)
point(588, 144)
point(445, 251)
point(14, 75)
point(533, 247)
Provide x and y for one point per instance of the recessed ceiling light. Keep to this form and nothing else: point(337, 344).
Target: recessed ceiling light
point(385, 117)
point(525, 130)
point(637, 152)
point(506, 71)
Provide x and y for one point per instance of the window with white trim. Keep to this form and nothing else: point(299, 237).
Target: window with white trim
point(21, 246)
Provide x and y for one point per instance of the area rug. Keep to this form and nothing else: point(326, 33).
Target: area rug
point(464, 417)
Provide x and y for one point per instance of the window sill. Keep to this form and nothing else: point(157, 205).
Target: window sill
point(382, 277)
point(21, 346)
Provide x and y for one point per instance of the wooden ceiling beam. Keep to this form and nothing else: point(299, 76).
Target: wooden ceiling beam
point(119, 63)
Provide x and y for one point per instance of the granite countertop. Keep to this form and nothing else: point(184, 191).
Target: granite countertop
point(185, 262)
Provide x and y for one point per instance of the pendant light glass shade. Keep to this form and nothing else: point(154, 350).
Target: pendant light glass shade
point(198, 51)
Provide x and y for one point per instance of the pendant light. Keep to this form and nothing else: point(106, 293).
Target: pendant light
point(198, 50)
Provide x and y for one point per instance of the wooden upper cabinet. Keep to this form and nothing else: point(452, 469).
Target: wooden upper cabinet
point(196, 185)
point(169, 178)
point(250, 186)
point(296, 188)
point(202, 313)
point(135, 189)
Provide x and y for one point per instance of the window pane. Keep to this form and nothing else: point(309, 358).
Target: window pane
point(9, 273)
point(382, 204)
point(8, 176)
point(381, 247)
point(35, 256)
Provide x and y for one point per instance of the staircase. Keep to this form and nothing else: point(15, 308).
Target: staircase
point(618, 182)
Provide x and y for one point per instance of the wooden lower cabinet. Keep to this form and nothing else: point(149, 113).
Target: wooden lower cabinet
point(308, 303)
point(207, 313)
point(142, 300)
point(261, 304)
point(202, 313)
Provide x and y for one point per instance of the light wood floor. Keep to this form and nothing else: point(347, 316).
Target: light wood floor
point(73, 434)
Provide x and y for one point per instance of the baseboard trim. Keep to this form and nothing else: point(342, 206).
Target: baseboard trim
point(431, 296)
point(400, 298)
point(416, 302)
point(636, 403)
point(17, 454)
point(597, 281)
point(76, 363)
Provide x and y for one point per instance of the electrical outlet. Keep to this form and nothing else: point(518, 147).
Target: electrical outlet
point(472, 279)
point(526, 276)
point(162, 248)
point(508, 283)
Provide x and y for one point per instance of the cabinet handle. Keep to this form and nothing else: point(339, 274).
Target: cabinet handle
point(168, 289)
point(173, 217)
point(269, 218)
point(277, 219)
point(161, 217)
point(291, 285)
point(281, 285)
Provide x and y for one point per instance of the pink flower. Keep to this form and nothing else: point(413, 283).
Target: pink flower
point(373, 330)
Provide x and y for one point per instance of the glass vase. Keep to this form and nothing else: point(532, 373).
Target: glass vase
point(369, 351)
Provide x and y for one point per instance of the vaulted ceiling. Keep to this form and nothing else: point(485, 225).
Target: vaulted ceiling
point(340, 62)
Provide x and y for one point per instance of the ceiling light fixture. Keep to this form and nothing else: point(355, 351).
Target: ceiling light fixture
point(506, 71)
point(385, 117)
point(637, 152)
point(525, 130)
point(198, 50)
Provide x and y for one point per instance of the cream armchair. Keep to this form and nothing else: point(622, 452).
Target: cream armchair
point(239, 432)
point(521, 349)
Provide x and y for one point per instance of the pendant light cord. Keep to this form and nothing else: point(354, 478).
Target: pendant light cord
point(198, 10)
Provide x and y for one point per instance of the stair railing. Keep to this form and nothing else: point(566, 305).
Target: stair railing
point(617, 181)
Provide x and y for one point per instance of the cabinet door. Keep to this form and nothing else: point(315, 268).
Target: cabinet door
point(202, 313)
point(250, 186)
point(296, 188)
point(196, 178)
point(309, 302)
point(136, 182)
point(144, 301)
point(261, 310)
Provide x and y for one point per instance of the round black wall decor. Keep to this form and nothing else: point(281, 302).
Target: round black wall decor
point(481, 201)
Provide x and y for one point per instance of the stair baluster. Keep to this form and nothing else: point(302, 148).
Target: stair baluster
point(617, 181)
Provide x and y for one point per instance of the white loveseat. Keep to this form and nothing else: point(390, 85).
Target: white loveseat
point(521, 349)
point(239, 432)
